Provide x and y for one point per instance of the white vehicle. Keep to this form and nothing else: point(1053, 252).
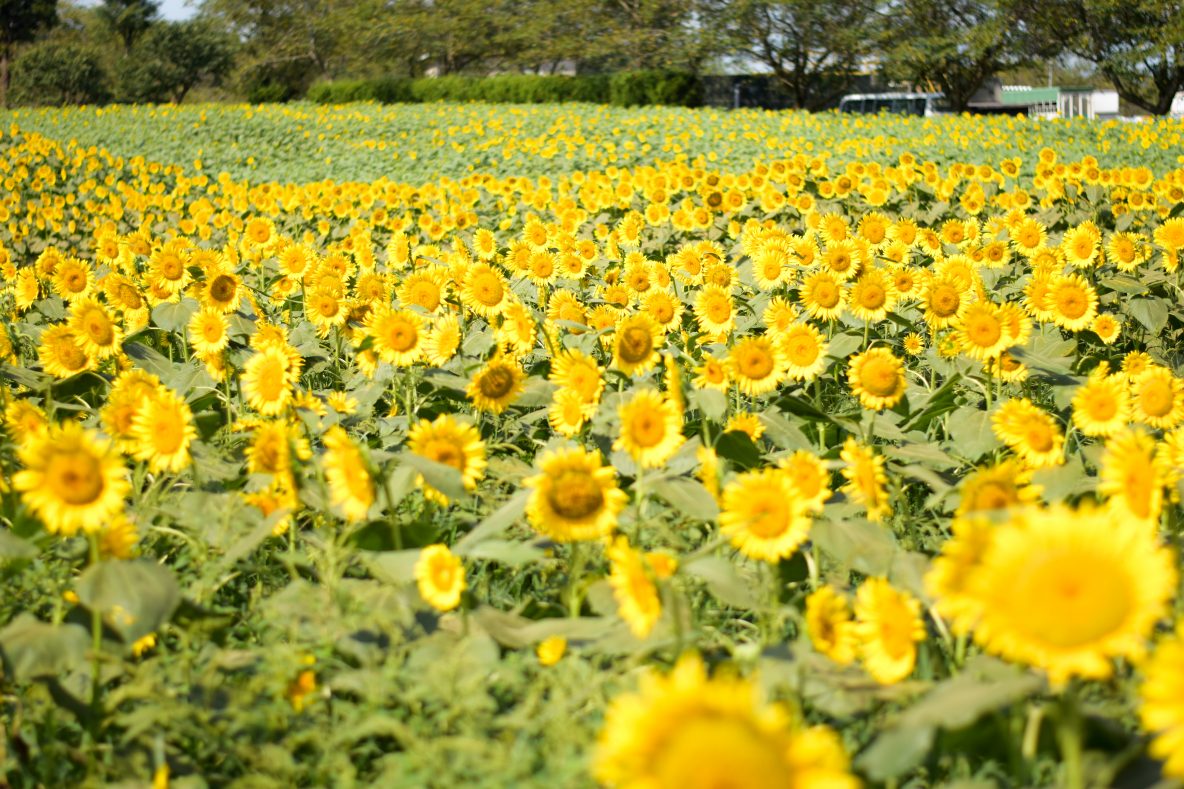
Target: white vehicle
point(926, 104)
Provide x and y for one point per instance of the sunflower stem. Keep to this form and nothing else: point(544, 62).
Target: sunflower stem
point(1069, 738)
point(576, 561)
point(96, 634)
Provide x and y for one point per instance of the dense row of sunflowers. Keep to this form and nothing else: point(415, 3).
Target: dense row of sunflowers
point(920, 422)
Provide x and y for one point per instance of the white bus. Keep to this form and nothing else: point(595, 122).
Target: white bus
point(926, 104)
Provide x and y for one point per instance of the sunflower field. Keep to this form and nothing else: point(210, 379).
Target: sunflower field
point(447, 445)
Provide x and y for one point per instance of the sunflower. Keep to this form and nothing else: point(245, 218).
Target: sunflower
point(981, 331)
point(803, 351)
point(440, 577)
point(208, 331)
point(576, 371)
point(1001, 486)
point(485, 291)
point(495, 385)
point(633, 587)
point(1101, 406)
point(1107, 327)
point(1132, 476)
point(810, 478)
point(94, 328)
point(267, 381)
point(574, 497)
point(685, 731)
point(664, 307)
point(1081, 245)
point(651, 428)
point(222, 290)
point(1157, 398)
point(829, 625)
point(162, 430)
point(945, 299)
point(63, 353)
point(1066, 590)
point(888, 625)
point(876, 376)
point(946, 581)
point(1073, 302)
point(351, 487)
point(72, 479)
point(452, 443)
point(913, 344)
point(442, 341)
point(325, 309)
point(1126, 250)
point(823, 296)
point(1030, 432)
point(72, 279)
point(398, 335)
point(714, 310)
point(756, 365)
point(746, 422)
point(872, 296)
point(762, 515)
point(1028, 237)
point(24, 420)
point(1161, 701)
point(635, 344)
point(273, 446)
point(568, 412)
point(866, 480)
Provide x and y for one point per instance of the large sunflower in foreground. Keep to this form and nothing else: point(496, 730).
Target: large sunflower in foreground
point(686, 731)
point(72, 479)
point(574, 497)
point(1067, 590)
point(1162, 696)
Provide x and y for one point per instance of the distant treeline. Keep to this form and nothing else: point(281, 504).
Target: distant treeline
point(622, 51)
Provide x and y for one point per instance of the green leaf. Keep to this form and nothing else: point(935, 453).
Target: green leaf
point(724, 581)
point(712, 402)
point(134, 597)
point(784, 433)
point(27, 378)
point(13, 547)
point(497, 522)
point(508, 552)
point(393, 567)
point(971, 436)
point(961, 700)
point(440, 476)
point(1152, 313)
point(174, 317)
point(688, 496)
point(895, 752)
point(33, 648)
point(843, 345)
point(856, 543)
point(737, 447)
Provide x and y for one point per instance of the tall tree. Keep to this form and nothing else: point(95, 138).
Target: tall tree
point(959, 44)
point(813, 47)
point(172, 57)
point(1137, 44)
point(129, 19)
point(20, 21)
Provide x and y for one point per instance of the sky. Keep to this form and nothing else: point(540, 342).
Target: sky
point(173, 10)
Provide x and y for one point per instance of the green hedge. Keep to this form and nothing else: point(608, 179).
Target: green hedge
point(625, 89)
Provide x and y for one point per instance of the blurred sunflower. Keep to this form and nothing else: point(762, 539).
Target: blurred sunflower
point(574, 497)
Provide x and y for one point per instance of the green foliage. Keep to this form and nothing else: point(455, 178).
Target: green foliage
point(503, 89)
point(58, 74)
point(1137, 44)
point(640, 88)
point(171, 58)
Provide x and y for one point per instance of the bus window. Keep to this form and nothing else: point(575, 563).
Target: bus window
point(847, 105)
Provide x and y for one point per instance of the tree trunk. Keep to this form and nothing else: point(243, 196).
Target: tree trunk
point(5, 77)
